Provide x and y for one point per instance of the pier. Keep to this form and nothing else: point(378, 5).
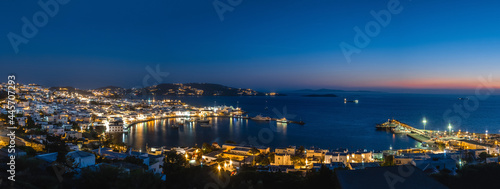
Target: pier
point(412, 132)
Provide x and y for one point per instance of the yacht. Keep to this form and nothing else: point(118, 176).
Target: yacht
point(346, 101)
point(400, 130)
point(261, 118)
point(206, 125)
point(282, 120)
point(189, 119)
point(203, 121)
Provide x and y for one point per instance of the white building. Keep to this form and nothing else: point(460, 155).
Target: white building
point(82, 159)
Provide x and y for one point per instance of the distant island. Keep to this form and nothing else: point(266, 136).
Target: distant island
point(320, 95)
point(170, 89)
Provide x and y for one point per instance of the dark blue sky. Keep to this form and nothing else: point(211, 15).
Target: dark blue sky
point(262, 44)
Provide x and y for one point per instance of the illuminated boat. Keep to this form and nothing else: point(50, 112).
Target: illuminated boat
point(282, 120)
point(261, 118)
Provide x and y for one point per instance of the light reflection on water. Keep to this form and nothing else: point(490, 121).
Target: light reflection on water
point(330, 123)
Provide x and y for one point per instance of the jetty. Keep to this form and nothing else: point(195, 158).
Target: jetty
point(414, 133)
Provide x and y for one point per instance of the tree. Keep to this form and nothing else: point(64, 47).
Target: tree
point(30, 123)
point(135, 160)
point(300, 151)
point(441, 146)
point(230, 142)
point(298, 160)
point(254, 151)
point(263, 159)
point(206, 148)
point(484, 155)
point(173, 162)
point(75, 126)
point(30, 152)
point(271, 157)
point(388, 160)
point(55, 144)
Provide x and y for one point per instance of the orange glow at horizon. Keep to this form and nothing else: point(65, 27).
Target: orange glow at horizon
point(442, 83)
point(429, 83)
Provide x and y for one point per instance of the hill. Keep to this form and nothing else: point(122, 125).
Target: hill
point(197, 89)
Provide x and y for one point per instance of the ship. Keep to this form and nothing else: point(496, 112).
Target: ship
point(203, 121)
point(282, 120)
point(400, 130)
point(189, 120)
point(205, 125)
point(261, 118)
point(346, 101)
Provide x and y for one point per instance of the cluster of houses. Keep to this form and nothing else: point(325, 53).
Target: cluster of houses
point(67, 114)
point(428, 161)
point(61, 112)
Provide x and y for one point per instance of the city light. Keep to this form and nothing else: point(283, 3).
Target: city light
point(424, 121)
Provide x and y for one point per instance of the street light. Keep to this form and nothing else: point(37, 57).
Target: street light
point(424, 121)
point(449, 128)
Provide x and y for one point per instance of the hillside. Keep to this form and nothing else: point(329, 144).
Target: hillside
point(198, 89)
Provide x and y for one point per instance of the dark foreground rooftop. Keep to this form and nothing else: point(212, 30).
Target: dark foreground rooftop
point(394, 177)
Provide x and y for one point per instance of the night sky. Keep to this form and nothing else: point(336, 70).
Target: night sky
point(261, 44)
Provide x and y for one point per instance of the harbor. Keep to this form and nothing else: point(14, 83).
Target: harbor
point(398, 127)
point(277, 120)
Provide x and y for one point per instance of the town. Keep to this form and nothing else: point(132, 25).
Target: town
point(72, 131)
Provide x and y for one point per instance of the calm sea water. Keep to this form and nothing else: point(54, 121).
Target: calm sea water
point(329, 122)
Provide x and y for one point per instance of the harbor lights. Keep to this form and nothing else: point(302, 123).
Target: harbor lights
point(424, 122)
point(449, 128)
point(218, 167)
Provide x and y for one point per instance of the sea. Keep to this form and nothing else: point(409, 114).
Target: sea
point(329, 122)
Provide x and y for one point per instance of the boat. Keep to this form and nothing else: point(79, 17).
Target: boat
point(282, 120)
point(203, 121)
point(175, 126)
point(346, 101)
point(205, 125)
point(463, 98)
point(261, 118)
point(391, 123)
point(400, 130)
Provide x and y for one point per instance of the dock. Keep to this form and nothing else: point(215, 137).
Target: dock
point(414, 133)
point(419, 137)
